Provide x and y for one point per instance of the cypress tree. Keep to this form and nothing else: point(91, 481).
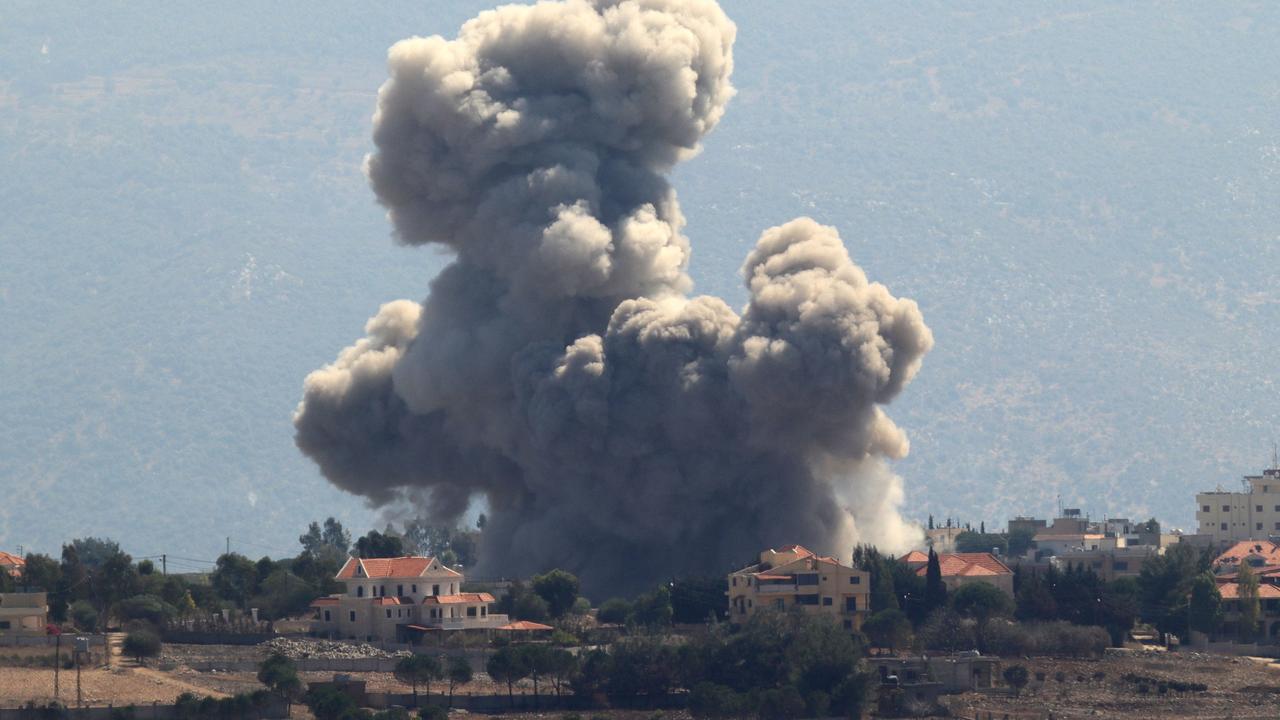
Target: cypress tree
point(935, 593)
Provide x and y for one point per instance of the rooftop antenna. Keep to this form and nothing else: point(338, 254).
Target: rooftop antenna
point(1275, 457)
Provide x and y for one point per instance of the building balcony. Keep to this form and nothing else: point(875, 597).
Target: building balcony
point(492, 620)
point(777, 589)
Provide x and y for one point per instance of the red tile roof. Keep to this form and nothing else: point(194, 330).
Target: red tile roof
point(915, 556)
point(1231, 591)
point(401, 567)
point(968, 565)
point(459, 598)
point(1267, 550)
point(325, 601)
point(12, 563)
point(384, 600)
point(525, 625)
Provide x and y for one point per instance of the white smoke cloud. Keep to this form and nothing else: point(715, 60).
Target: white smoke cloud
point(616, 426)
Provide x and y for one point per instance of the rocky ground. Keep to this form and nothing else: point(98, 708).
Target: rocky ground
point(1235, 688)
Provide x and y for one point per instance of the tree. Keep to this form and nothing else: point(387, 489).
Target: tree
point(935, 592)
point(561, 667)
point(334, 534)
point(1206, 605)
point(530, 606)
point(559, 589)
point(147, 608)
point(975, 542)
point(653, 609)
point(981, 601)
point(614, 611)
point(1035, 597)
point(146, 567)
point(379, 545)
point(538, 659)
point(234, 578)
point(84, 616)
point(507, 665)
point(416, 669)
point(1120, 607)
point(312, 540)
point(698, 599)
point(280, 675)
point(930, 521)
point(459, 673)
point(888, 629)
point(142, 644)
point(1017, 677)
point(1020, 541)
point(1248, 603)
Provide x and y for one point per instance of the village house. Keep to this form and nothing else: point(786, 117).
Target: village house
point(797, 577)
point(959, 569)
point(1263, 556)
point(12, 564)
point(400, 600)
point(23, 614)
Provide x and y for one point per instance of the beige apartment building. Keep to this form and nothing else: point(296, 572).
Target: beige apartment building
point(399, 600)
point(797, 577)
point(23, 614)
point(1230, 517)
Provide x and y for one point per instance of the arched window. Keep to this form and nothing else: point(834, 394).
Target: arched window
point(359, 591)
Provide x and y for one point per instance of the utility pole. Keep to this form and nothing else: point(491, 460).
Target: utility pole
point(228, 545)
point(164, 564)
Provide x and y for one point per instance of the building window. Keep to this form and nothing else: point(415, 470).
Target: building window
point(855, 580)
point(1121, 565)
point(806, 599)
point(388, 613)
point(1224, 526)
point(826, 602)
point(435, 589)
point(471, 612)
point(735, 582)
point(384, 591)
point(1226, 508)
point(484, 611)
point(1205, 508)
point(807, 579)
point(399, 591)
point(353, 616)
point(415, 589)
point(1257, 508)
point(851, 604)
point(359, 591)
point(1259, 526)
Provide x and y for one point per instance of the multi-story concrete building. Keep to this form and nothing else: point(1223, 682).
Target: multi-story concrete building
point(1234, 516)
point(399, 599)
point(796, 577)
point(23, 614)
point(1115, 560)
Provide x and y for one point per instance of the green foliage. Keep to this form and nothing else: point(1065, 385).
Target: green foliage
point(379, 545)
point(280, 675)
point(1019, 541)
point(329, 703)
point(235, 578)
point(975, 542)
point(935, 592)
point(1017, 677)
point(508, 665)
point(699, 599)
point(433, 712)
point(1206, 604)
point(559, 589)
point(614, 611)
point(709, 700)
point(419, 669)
point(652, 609)
point(148, 608)
point(283, 594)
point(1165, 583)
point(458, 672)
point(142, 644)
point(1248, 604)
point(84, 616)
point(879, 567)
point(888, 629)
point(946, 631)
point(981, 601)
point(452, 545)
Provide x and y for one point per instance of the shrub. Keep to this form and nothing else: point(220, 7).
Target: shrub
point(614, 611)
point(708, 700)
point(1062, 639)
point(1007, 639)
point(84, 615)
point(946, 631)
point(142, 644)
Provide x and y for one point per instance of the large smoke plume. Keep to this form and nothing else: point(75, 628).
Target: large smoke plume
point(557, 368)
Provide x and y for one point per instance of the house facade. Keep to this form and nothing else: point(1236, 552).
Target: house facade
point(400, 600)
point(23, 614)
point(797, 577)
point(12, 564)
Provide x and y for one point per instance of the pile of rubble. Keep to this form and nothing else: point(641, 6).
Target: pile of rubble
point(299, 648)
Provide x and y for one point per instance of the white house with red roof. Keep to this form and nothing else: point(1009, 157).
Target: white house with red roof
point(399, 600)
point(12, 564)
point(960, 569)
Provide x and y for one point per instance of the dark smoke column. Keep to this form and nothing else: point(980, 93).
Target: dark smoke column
point(617, 427)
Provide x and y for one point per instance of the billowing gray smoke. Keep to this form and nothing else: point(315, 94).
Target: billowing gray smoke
point(617, 427)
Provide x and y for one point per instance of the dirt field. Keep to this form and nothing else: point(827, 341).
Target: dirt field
point(121, 686)
point(1237, 688)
